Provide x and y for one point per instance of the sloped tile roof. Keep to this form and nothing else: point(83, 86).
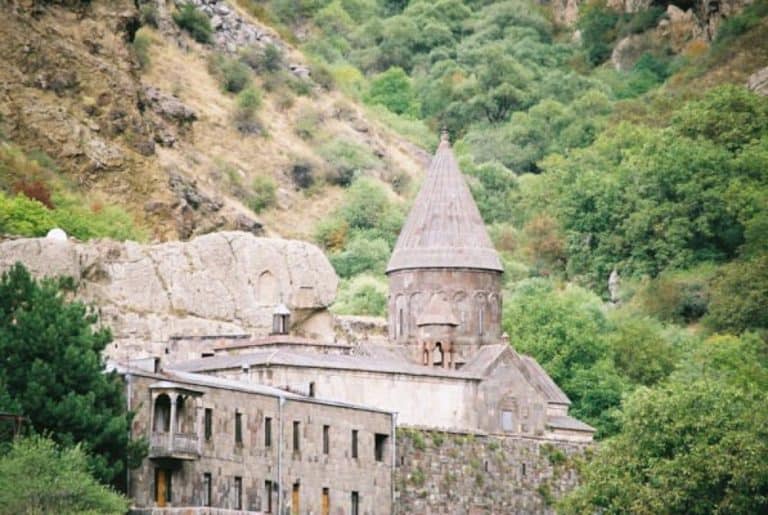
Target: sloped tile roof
point(444, 228)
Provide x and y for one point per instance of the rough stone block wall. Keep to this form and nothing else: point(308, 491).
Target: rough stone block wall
point(452, 473)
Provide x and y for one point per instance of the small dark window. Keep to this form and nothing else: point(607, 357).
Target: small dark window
point(522, 469)
point(267, 432)
point(380, 445)
point(238, 493)
point(207, 489)
point(312, 389)
point(354, 443)
point(208, 423)
point(355, 508)
point(296, 436)
point(326, 439)
point(268, 496)
point(238, 428)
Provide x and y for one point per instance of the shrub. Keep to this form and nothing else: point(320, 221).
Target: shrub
point(36, 476)
point(307, 122)
point(35, 190)
point(263, 194)
point(140, 45)
point(267, 60)
point(597, 23)
point(739, 296)
point(361, 255)
point(302, 174)
point(148, 15)
point(195, 22)
point(740, 23)
point(234, 75)
point(393, 90)
point(322, 76)
point(331, 233)
point(248, 103)
point(23, 216)
point(346, 160)
point(362, 295)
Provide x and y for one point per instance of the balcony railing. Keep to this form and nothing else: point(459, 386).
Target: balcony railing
point(179, 445)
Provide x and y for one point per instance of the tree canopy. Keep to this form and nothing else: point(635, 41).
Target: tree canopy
point(52, 372)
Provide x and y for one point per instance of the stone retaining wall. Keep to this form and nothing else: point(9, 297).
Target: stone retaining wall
point(450, 473)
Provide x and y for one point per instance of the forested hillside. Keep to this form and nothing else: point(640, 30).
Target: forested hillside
point(651, 164)
point(625, 146)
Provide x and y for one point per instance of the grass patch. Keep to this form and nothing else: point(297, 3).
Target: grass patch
point(195, 22)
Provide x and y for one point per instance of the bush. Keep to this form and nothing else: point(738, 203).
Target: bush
point(361, 255)
point(195, 22)
point(248, 103)
point(597, 23)
point(140, 45)
point(267, 60)
point(148, 15)
point(302, 174)
point(36, 476)
point(347, 160)
point(306, 124)
point(393, 90)
point(362, 295)
point(739, 297)
point(263, 194)
point(234, 75)
point(734, 26)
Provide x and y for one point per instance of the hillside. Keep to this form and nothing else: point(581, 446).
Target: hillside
point(119, 113)
point(617, 151)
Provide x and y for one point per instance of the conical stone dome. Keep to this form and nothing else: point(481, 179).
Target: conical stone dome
point(444, 228)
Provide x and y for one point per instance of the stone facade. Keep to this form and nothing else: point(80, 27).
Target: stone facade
point(473, 295)
point(190, 423)
point(477, 474)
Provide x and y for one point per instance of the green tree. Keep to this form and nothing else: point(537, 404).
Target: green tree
point(53, 372)
point(740, 297)
point(695, 444)
point(362, 295)
point(36, 476)
point(392, 89)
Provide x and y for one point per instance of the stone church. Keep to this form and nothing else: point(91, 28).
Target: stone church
point(254, 398)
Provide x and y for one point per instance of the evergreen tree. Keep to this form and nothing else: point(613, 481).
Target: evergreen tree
point(53, 374)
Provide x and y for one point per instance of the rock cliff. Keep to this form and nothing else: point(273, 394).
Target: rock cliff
point(220, 283)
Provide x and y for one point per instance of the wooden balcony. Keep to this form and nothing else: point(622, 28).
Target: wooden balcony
point(180, 446)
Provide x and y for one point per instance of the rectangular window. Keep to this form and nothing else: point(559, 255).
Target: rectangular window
point(238, 493)
point(380, 446)
point(295, 499)
point(354, 443)
point(267, 432)
point(238, 428)
point(267, 496)
point(326, 506)
point(208, 424)
point(355, 507)
point(312, 389)
point(326, 439)
point(507, 421)
point(207, 489)
point(296, 436)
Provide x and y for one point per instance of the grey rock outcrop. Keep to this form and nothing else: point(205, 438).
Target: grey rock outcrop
point(758, 81)
point(219, 283)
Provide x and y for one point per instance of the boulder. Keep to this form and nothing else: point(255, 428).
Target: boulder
point(758, 81)
point(219, 283)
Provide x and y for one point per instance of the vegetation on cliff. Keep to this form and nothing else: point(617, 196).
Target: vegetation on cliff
point(53, 374)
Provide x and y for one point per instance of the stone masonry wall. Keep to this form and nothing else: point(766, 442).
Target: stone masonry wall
point(452, 474)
